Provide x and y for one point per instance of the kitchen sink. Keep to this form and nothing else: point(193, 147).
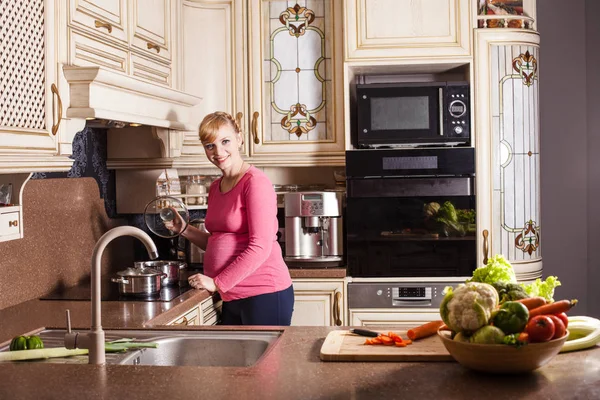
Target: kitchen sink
point(177, 348)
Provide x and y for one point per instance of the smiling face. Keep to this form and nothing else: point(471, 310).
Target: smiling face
point(224, 150)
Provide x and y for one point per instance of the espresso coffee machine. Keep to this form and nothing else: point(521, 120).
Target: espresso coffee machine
point(313, 229)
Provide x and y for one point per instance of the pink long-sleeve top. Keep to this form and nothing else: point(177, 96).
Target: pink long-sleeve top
point(242, 254)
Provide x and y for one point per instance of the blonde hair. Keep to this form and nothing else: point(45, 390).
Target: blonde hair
point(211, 124)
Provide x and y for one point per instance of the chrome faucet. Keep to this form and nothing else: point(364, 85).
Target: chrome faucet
point(94, 340)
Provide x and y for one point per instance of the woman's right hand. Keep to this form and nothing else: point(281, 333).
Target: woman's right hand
point(177, 224)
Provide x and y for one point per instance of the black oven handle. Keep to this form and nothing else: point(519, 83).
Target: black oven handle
point(441, 110)
point(410, 187)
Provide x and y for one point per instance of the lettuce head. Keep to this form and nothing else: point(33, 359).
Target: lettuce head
point(497, 269)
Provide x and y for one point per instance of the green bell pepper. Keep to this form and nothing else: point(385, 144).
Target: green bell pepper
point(26, 343)
point(512, 317)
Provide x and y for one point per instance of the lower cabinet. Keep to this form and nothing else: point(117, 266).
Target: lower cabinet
point(319, 302)
point(208, 312)
point(406, 318)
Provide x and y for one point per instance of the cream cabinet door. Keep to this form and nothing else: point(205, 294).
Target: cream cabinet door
point(295, 79)
point(214, 64)
point(319, 302)
point(405, 318)
point(30, 106)
point(151, 27)
point(188, 318)
point(392, 29)
point(508, 148)
point(104, 18)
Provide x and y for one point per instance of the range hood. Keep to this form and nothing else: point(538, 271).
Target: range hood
point(111, 99)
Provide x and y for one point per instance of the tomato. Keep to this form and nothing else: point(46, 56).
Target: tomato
point(559, 327)
point(563, 317)
point(540, 328)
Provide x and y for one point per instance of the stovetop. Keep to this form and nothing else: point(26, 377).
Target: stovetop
point(110, 292)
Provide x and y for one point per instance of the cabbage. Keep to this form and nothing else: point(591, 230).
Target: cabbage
point(542, 288)
point(497, 269)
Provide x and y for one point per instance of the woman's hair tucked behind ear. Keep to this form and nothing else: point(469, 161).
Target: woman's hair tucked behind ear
point(211, 124)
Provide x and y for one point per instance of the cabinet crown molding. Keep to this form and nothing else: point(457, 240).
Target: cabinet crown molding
point(98, 93)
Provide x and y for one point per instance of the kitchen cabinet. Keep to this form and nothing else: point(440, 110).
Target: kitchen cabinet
point(277, 68)
point(405, 318)
point(133, 37)
point(319, 302)
point(508, 147)
point(208, 312)
point(399, 29)
point(31, 110)
point(188, 318)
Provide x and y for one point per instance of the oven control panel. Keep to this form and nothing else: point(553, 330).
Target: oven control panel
point(396, 294)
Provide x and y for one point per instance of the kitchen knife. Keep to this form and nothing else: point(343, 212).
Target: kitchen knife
point(364, 332)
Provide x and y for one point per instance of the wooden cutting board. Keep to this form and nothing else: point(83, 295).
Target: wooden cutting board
point(345, 346)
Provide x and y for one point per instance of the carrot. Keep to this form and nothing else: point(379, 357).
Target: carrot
point(533, 302)
point(400, 344)
point(408, 341)
point(553, 308)
point(425, 330)
point(386, 340)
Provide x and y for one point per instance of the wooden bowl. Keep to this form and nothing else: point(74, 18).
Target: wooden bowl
point(502, 358)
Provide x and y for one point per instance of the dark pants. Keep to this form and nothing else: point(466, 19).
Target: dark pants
point(265, 309)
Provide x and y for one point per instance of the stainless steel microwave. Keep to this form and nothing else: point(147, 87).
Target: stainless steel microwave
point(413, 114)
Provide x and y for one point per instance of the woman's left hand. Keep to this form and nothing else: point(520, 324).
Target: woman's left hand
point(199, 281)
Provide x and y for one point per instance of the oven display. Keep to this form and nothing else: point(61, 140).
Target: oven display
point(411, 292)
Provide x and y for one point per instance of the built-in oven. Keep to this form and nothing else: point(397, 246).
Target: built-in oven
point(410, 213)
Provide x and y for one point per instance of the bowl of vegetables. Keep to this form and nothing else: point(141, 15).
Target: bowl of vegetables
point(502, 358)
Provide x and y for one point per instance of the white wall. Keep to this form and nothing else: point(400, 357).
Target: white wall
point(568, 159)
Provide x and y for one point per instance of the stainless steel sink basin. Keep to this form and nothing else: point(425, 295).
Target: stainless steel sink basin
point(178, 348)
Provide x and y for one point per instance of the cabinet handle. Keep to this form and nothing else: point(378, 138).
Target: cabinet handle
point(255, 127)
point(100, 24)
point(153, 46)
point(337, 308)
point(238, 119)
point(54, 90)
point(13, 223)
point(184, 321)
point(485, 246)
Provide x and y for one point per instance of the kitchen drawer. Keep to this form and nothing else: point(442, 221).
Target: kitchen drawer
point(105, 19)
point(86, 51)
point(191, 317)
point(10, 223)
point(150, 70)
point(210, 310)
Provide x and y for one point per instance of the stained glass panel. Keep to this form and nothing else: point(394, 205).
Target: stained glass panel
point(296, 71)
point(515, 151)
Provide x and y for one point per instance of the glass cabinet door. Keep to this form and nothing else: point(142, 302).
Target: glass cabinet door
point(293, 77)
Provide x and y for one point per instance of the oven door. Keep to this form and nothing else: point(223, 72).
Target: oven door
point(395, 115)
point(396, 227)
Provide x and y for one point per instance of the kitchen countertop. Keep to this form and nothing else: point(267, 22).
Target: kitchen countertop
point(290, 370)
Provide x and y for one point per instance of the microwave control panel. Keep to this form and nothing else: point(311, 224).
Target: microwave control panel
point(457, 110)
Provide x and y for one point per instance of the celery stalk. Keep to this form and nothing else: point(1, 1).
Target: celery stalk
point(37, 354)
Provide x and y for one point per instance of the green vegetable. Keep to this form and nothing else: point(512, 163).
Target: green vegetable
point(447, 213)
point(497, 269)
point(466, 216)
point(124, 344)
point(509, 291)
point(469, 306)
point(513, 339)
point(38, 354)
point(542, 288)
point(488, 335)
point(584, 332)
point(26, 343)
point(512, 317)
point(431, 209)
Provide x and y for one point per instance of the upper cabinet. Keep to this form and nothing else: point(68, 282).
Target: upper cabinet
point(277, 68)
point(30, 104)
point(128, 36)
point(397, 29)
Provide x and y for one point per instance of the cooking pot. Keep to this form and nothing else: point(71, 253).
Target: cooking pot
point(171, 269)
point(194, 254)
point(141, 281)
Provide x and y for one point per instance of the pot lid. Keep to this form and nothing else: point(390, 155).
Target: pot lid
point(161, 212)
point(139, 271)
